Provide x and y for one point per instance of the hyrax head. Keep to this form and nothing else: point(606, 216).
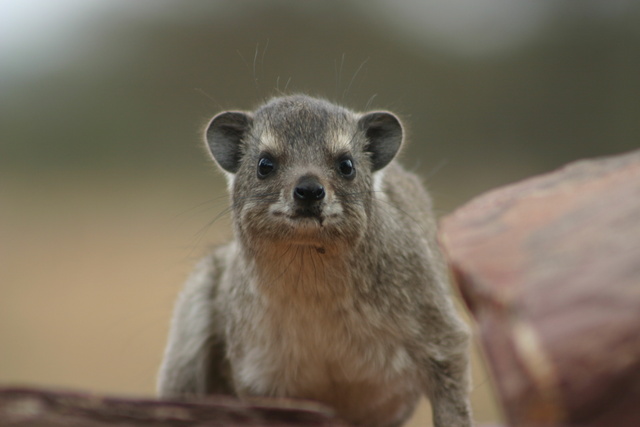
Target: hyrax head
point(302, 170)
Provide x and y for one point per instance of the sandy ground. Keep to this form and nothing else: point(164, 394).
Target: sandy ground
point(88, 275)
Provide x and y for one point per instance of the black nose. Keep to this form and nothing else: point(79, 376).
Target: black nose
point(308, 190)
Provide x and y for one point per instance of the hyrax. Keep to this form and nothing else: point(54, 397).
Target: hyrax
point(333, 288)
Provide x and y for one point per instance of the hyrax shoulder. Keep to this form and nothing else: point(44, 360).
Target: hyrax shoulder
point(333, 289)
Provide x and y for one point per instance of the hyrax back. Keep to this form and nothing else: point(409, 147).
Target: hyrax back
point(333, 288)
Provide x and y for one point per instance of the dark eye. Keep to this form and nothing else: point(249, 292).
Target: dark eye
point(265, 167)
point(346, 168)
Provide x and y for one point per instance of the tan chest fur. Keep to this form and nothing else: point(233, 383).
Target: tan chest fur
point(311, 338)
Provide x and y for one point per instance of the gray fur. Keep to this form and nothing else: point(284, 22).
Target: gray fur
point(349, 306)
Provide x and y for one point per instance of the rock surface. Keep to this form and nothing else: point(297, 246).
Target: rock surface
point(550, 269)
point(28, 407)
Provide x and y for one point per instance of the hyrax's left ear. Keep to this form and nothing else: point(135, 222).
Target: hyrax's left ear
point(384, 137)
point(224, 135)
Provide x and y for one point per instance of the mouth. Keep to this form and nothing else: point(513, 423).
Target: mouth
point(313, 229)
point(304, 216)
point(307, 217)
point(313, 211)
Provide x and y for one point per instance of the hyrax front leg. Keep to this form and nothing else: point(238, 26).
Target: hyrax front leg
point(448, 391)
point(447, 378)
point(195, 360)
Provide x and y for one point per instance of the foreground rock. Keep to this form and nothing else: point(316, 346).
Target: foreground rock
point(550, 269)
point(27, 407)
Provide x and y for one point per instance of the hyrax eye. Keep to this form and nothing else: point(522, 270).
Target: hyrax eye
point(265, 166)
point(346, 168)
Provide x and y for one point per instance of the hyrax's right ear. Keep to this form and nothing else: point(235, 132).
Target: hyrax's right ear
point(224, 135)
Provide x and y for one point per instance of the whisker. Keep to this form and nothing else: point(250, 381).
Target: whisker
point(215, 101)
point(383, 204)
point(255, 59)
point(405, 213)
point(370, 101)
point(262, 198)
point(199, 235)
point(338, 72)
point(434, 171)
point(354, 78)
point(237, 202)
point(264, 52)
point(198, 206)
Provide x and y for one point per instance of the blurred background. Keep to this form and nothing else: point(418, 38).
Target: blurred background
point(107, 196)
